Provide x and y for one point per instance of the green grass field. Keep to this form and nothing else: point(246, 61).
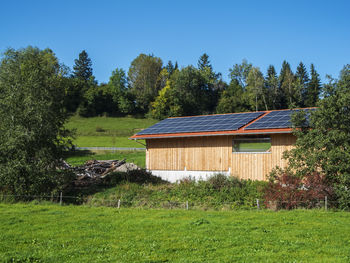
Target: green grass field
point(107, 131)
point(50, 233)
point(80, 157)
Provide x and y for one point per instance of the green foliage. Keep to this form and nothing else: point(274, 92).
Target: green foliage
point(256, 90)
point(240, 72)
point(274, 98)
point(325, 147)
point(302, 82)
point(218, 192)
point(143, 74)
point(232, 99)
point(166, 104)
point(119, 92)
point(188, 91)
point(74, 92)
point(82, 67)
point(204, 62)
point(313, 89)
point(32, 133)
point(287, 86)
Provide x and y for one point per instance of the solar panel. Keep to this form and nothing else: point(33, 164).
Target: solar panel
point(222, 122)
point(275, 120)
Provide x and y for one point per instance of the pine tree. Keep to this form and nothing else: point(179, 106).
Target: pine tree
point(83, 67)
point(302, 81)
point(204, 62)
point(170, 67)
point(176, 66)
point(313, 89)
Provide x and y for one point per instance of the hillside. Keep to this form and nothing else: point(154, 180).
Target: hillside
point(107, 131)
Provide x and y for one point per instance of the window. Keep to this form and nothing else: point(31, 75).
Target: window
point(251, 145)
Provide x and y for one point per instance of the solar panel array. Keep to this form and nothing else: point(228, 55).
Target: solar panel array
point(224, 122)
point(275, 120)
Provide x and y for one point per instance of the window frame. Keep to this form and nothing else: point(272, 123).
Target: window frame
point(251, 139)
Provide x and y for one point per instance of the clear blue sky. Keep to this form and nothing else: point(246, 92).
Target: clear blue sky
point(115, 32)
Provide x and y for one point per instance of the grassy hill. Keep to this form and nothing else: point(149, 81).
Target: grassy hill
point(52, 233)
point(107, 131)
point(80, 157)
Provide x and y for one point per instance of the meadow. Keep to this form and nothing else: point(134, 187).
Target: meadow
point(107, 131)
point(52, 233)
point(80, 157)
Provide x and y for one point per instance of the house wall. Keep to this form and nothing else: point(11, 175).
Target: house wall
point(214, 154)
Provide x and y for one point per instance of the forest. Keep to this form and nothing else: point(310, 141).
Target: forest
point(153, 89)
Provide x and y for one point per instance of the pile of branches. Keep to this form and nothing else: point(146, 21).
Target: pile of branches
point(93, 169)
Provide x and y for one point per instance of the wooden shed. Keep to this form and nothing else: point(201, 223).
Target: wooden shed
point(245, 145)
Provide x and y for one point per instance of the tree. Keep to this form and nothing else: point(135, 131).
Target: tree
point(32, 132)
point(240, 72)
point(287, 86)
point(204, 62)
point(274, 93)
point(232, 99)
point(256, 88)
point(192, 90)
point(313, 89)
point(80, 81)
point(326, 147)
point(213, 83)
point(143, 74)
point(82, 67)
point(302, 81)
point(167, 103)
point(170, 67)
point(120, 93)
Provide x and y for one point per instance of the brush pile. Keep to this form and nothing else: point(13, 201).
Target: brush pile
point(94, 169)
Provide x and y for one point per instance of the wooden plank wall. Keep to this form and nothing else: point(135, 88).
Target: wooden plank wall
point(194, 154)
point(257, 166)
point(214, 153)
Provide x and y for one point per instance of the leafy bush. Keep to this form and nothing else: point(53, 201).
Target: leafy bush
point(134, 176)
point(140, 188)
point(288, 191)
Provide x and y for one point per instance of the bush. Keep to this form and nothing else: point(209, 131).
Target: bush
point(100, 129)
point(133, 176)
point(288, 191)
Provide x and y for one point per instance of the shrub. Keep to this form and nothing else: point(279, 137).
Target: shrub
point(288, 191)
point(133, 176)
point(100, 129)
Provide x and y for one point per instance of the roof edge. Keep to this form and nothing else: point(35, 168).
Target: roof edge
point(204, 134)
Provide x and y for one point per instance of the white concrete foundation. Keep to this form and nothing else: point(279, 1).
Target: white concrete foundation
point(173, 176)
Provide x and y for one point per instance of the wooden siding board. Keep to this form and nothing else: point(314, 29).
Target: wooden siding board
point(214, 153)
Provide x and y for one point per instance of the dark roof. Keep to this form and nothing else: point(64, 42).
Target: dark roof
point(222, 124)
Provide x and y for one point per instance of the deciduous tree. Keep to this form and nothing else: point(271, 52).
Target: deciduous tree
point(143, 75)
point(32, 132)
point(325, 148)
